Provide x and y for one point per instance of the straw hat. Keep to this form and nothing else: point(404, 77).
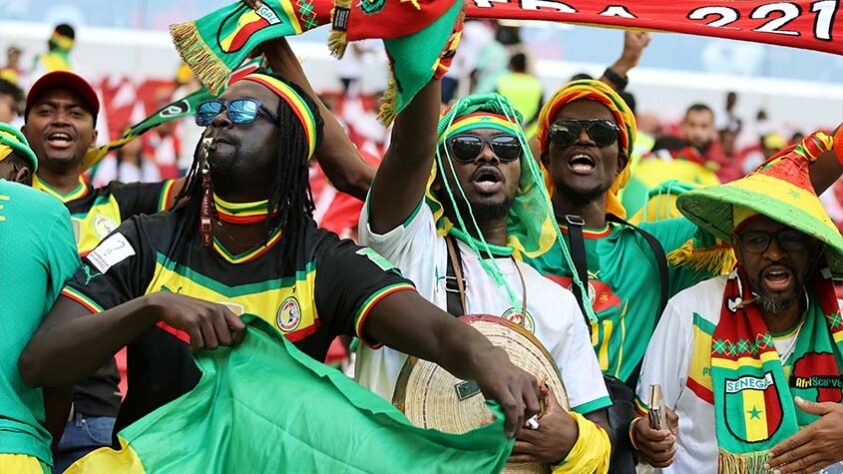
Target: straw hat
point(431, 397)
point(779, 189)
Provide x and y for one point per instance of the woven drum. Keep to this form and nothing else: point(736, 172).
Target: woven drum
point(431, 397)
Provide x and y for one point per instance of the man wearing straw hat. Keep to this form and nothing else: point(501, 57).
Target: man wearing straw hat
point(39, 255)
point(750, 363)
point(457, 216)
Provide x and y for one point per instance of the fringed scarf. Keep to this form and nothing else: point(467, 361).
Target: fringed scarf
point(753, 397)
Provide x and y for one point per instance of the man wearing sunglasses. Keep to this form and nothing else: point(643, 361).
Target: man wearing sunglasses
point(586, 135)
point(244, 242)
point(750, 363)
point(457, 215)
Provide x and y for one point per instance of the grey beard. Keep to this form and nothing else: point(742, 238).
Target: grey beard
point(777, 305)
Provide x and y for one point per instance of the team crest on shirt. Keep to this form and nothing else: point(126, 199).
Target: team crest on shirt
point(525, 319)
point(289, 314)
point(103, 225)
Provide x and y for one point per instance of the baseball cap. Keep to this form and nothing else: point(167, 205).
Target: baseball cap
point(63, 80)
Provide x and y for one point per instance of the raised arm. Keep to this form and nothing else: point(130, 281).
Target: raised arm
point(827, 169)
point(402, 176)
point(634, 43)
point(338, 157)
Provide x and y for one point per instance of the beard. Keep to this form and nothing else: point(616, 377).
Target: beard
point(778, 303)
point(483, 211)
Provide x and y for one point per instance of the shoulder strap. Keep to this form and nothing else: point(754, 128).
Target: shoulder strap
point(579, 258)
point(455, 284)
point(661, 261)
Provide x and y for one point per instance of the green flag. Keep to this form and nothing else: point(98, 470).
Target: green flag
point(175, 110)
point(265, 406)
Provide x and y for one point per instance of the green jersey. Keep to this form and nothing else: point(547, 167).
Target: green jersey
point(37, 256)
point(624, 286)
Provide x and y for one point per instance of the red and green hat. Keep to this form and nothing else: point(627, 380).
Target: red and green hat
point(779, 189)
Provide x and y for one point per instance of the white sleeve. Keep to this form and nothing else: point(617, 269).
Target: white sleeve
point(578, 365)
point(668, 358)
point(417, 233)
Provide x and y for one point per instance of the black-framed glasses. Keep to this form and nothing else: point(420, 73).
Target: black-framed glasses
point(602, 132)
point(239, 111)
point(789, 240)
point(465, 148)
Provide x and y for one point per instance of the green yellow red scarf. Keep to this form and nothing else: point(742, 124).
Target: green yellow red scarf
point(753, 396)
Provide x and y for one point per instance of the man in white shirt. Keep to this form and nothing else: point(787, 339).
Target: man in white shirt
point(751, 363)
point(492, 207)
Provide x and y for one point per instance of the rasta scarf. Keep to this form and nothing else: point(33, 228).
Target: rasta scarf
point(753, 394)
point(420, 37)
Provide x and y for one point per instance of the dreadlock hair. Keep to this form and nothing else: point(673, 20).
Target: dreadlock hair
point(290, 199)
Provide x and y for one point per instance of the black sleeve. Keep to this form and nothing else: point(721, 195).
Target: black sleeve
point(350, 280)
point(119, 269)
point(140, 198)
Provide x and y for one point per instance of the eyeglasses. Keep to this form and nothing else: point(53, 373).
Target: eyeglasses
point(789, 240)
point(465, 148)
point(602, 132)
point(239, 111)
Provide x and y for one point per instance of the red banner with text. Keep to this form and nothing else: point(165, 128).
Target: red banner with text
point(812, 24)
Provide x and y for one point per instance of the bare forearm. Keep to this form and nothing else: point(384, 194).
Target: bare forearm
point(340, 160)
point(428, 333)
point(66, 352)
point(403, 174)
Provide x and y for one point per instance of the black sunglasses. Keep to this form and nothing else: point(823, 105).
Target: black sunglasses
point(466, 148)
point(602, 132)
point(789, 240)
point(239, 111)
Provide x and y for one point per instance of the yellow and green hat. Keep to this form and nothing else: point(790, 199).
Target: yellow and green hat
point(12, 140)
point(779, 189)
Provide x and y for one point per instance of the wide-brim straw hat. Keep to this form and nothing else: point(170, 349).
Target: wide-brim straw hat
point(431, 397)
point(781, 190)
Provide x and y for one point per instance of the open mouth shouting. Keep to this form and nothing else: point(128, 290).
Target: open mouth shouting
point(777, 278)
point(487, 180)
point(581, 163)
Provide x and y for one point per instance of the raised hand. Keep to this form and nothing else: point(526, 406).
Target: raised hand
point(816, 446)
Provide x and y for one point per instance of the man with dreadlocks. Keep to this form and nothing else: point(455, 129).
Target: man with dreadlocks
point(473, 198)
point(39, 256)
point(243, 242)
point(586, 135)
point(752, 363)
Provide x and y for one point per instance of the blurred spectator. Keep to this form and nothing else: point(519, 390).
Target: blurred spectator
point(189, 133)
point(132, 165)
point(727, 119)
point(698, 128)
point(769, 144)
point(11, 98)
point(523, 90)
point(457, 82)
point(796, 138)
point(57, 56)
point(12, 71)
point(492, 62)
